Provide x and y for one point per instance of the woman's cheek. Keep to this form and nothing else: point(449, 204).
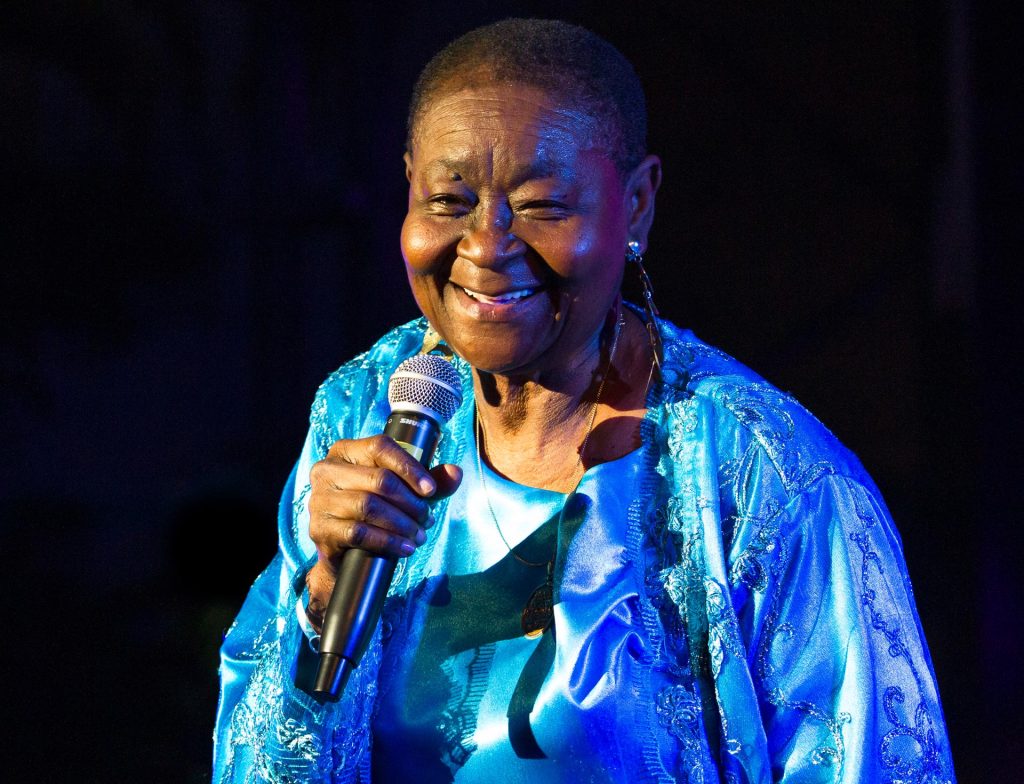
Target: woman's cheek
point(423, 245)
point(426, 296)
point(422, 260)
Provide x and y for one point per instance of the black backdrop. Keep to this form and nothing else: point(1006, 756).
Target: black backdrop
point(201, 207)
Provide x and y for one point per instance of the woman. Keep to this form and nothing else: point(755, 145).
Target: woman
point(728, 596)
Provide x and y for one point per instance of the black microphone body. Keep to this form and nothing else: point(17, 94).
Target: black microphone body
point(425, 396)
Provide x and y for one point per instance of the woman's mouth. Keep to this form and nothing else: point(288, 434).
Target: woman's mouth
point(498, 306)
point(500, 299)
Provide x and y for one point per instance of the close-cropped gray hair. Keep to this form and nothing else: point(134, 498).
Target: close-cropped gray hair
point(570, 63)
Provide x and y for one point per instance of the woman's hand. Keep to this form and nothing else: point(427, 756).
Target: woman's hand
point(371, 494)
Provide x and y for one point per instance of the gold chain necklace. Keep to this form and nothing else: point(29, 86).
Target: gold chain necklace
point(538, 612)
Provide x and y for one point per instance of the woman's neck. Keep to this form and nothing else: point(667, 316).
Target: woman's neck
point(534, 428)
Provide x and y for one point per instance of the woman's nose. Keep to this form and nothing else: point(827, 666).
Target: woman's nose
point(488, 239)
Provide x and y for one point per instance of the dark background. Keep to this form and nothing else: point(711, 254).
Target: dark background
point(200, 215)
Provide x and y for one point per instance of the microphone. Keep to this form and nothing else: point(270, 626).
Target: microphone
point(424, 393)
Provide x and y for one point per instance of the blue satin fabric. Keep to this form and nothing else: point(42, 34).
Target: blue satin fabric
point(741, 613)
point(455, 726)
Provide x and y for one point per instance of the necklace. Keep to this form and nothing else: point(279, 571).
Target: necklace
point(538, 612)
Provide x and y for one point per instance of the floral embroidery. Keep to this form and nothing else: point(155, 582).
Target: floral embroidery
point(762, 410)
point(922, 758)
point(923, 763)
point(766, 553)
point(723, 635)
point(764, 413)
point(284, 748)
point(679, 711)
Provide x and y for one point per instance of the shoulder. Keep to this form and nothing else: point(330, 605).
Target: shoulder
point(744, 417)
point(751, 469)
point(356, 391)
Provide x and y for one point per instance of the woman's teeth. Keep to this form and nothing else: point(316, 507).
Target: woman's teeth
point(511, 296)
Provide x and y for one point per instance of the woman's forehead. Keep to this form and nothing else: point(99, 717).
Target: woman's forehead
point(520, 121)
point(542, 164)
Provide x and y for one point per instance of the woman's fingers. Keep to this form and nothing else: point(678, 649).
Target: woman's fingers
point(361, 519)
point(447, 477)
point(346, 488)
point(382, 451)
point(371, 494)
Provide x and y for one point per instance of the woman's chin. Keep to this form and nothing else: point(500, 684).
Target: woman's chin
point(499, 338)
point(499, 361)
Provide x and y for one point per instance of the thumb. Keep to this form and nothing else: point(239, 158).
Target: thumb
point(448, 478)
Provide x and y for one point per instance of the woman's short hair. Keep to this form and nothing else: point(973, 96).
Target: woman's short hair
point(568, 62)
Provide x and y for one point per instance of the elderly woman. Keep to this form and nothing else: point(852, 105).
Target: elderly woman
point(635, 560)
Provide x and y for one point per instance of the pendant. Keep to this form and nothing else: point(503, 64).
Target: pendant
point(539, 611)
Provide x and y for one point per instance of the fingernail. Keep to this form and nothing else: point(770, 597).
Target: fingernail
point(407, 548)
point(421, 536)
point(429, 522)
point(426, 485)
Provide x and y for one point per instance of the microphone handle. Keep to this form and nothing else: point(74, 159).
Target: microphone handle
point(363, 579)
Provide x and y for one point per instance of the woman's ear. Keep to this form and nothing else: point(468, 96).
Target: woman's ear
point(641, 189)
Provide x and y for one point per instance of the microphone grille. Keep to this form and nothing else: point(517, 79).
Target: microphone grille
point(426, 382)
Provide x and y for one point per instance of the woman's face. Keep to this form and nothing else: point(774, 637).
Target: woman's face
point(515, 237)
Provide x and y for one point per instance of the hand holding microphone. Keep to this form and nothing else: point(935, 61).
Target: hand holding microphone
point(368, 507)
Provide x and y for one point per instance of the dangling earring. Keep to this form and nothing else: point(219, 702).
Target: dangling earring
point(633, 256)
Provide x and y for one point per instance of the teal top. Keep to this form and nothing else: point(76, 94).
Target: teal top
point(754, 617)
point(463, 693)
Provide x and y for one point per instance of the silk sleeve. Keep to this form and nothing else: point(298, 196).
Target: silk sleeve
point(267, 730)
point(841, 669)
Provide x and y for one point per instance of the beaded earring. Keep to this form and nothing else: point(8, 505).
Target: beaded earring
point(635, 257)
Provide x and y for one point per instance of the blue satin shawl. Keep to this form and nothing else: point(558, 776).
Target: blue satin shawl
point(776, 637)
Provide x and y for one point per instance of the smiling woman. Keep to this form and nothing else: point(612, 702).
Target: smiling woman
point(514, 243)
point(643, 562)
point(513, 215)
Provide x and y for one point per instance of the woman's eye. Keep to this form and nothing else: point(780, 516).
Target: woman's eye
point(544, 209)
point(448, 204)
